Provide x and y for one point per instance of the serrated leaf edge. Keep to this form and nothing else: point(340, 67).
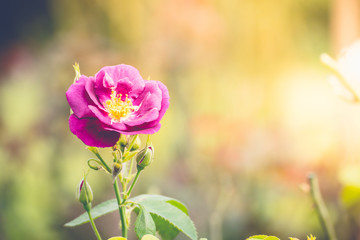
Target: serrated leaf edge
point(177, 227)
point(136, 199)
point(157, 197)
point(142, 210)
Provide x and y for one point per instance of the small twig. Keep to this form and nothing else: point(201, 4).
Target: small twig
point(321, 209)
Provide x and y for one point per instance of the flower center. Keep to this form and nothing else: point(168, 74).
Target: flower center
point(118, 108)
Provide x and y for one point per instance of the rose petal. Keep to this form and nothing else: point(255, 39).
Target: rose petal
point(124, 86)
point(150, 87)
point(151, 109)
point(89, 86)
point(143, 129)
point(165, 99)
point(127, 80)
point(102, 93)
point(149, 102)
point(106, 120)
point(120, 127)
point(108, 82)
point(79, 99)
point(148, 111)
point(92, 133)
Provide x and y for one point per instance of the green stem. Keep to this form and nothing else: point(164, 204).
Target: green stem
point(107, 168)
point(132, 185)
point(321, 209)
point(132, 142)
point(131, 165)
point(93, 225)
point(123, 221)
point(95, 151)
point(121, 209)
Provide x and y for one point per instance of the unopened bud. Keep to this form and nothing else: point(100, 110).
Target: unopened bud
point(84, 193)
point(123, 140)
point(116, 170)
point(145, 157)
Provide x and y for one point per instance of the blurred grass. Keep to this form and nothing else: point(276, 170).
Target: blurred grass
point(251, 113)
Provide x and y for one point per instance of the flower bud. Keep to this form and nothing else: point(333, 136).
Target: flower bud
point(84, 193)
point(123, 140)
point(116, 170)
point(145, 157)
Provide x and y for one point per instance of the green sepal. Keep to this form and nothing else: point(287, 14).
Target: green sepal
point(136, 144)
point(129, 155)
point(76, 67)
point(96, 152)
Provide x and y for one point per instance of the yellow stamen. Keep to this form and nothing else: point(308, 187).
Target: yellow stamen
point(118, 108)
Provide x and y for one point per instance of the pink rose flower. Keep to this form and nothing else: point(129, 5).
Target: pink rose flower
point(117, 100)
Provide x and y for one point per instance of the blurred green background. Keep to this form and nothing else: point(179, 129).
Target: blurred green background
point(251, 112)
